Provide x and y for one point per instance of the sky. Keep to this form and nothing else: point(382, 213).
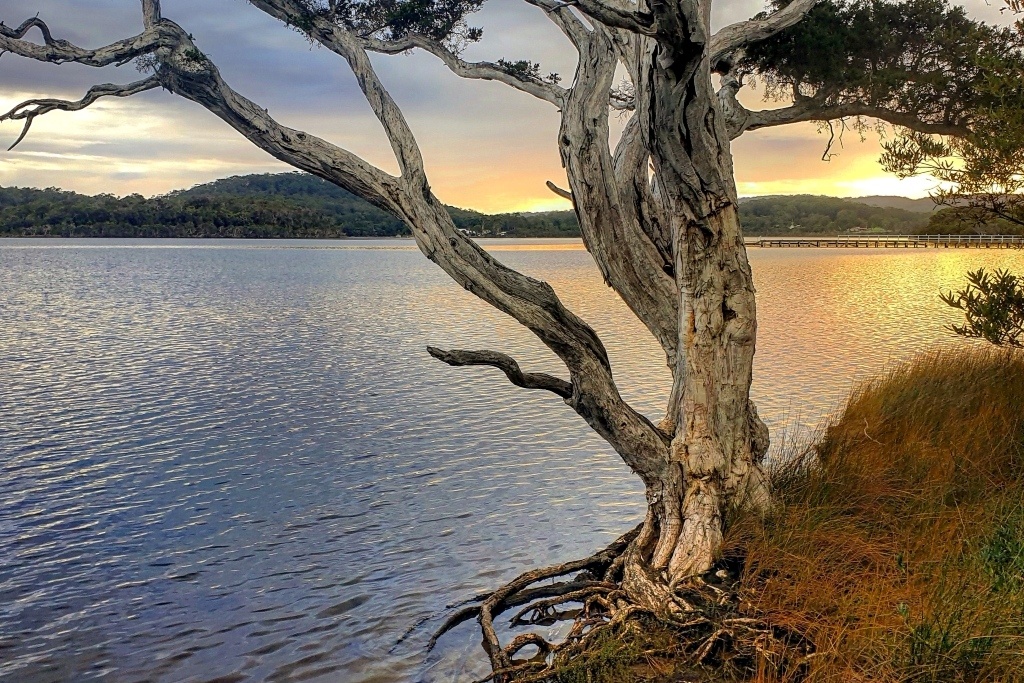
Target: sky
point(487, 147)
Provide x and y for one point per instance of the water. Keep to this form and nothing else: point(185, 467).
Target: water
point(235, 461)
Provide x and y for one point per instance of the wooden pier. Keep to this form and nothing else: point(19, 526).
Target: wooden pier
point(895, 242)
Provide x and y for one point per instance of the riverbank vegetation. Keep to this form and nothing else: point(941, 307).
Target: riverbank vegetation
point(298, 205)
point(896, 552)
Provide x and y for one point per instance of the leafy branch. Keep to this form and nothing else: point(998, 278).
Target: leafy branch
point(993, 305)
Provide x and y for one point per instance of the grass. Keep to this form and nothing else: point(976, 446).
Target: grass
point(896, 549)
point(898, 546)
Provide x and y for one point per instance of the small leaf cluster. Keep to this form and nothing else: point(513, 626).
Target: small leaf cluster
point(993, 306)
point(526, 70)
point(981, 173)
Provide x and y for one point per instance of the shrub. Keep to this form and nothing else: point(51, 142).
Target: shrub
point(993, 306)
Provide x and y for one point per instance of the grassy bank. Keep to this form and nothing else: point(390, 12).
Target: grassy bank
point(897, 549)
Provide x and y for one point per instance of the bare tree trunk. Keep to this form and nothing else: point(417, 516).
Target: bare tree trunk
point(717, 438)
point(673, 250)
point(715, 454)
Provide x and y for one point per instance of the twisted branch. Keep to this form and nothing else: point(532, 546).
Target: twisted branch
point(740, 119)
point(26, 26)
point(508, 365)
point(56, 51)
point(617, 15)
point(533, 303)
point(30, 109)
point(562, 17)
point(488, 71)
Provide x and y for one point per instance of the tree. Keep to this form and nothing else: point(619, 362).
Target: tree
point(658, 211)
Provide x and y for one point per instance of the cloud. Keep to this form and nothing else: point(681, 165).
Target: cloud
point(487, 147)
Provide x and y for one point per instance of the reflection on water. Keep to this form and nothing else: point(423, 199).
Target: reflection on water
point(235, 461)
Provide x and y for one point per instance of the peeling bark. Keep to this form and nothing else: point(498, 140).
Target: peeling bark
point(718, 438)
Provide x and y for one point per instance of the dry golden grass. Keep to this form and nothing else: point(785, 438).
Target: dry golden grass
point(898, 548)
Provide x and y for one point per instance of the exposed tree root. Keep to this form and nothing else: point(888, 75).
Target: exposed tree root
point(708, 623)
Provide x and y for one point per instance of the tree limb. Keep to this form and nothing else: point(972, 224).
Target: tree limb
point(345, 44)
point(30, 109)
point(489, 71)
point(532, 303)
point(55, 51)
point(188, 73)
point(561, 15)
point(184, 70)
point(325, 31)
point(508, 365)
point(150, 12)
point(740, 119)
point(563, 193)
point(610, 219)
point(735, 36)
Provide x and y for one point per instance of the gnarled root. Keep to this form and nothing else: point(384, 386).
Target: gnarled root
point(521, 591)
point(705, 618)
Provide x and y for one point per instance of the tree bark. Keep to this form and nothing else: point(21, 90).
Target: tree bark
point(717, 438)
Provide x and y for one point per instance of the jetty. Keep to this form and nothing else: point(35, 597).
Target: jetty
point(895, 242)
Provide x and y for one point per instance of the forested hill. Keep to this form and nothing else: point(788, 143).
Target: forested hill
point(302, 206)
point(272, 205)
point(814, 215)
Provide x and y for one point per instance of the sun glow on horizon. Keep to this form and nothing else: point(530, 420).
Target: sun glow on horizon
point(125, 148)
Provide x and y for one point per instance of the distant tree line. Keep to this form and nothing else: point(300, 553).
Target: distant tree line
point(288, 205)
point(970, 221)
point(296, 205)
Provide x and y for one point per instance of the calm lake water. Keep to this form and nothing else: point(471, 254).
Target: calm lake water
point(232, 461)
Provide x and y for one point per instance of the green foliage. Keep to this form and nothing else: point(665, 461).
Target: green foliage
point(963, 220)
point(942, 650)
point(921, 57)
point(298, 205)
point(347, 214)
point(528, 71)
point(52, 212)
point(993, 306)
point(1002, 553)
point(194, 57)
